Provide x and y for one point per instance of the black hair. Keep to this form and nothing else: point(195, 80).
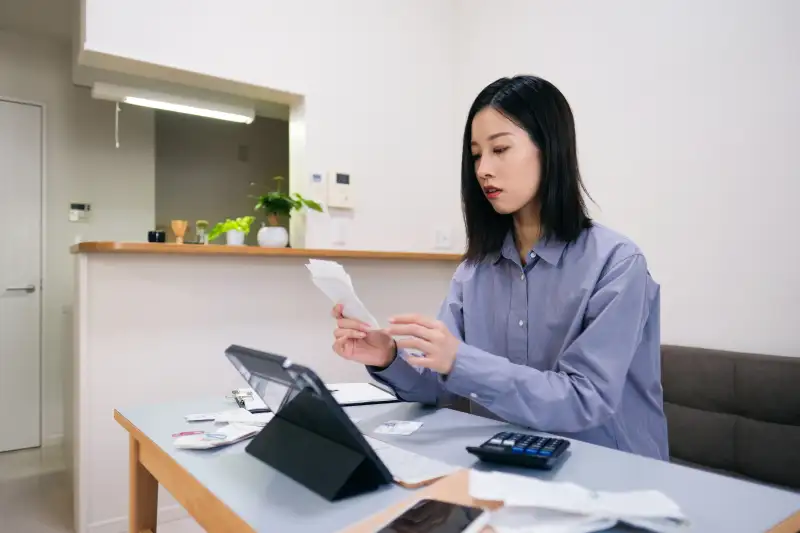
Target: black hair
point(539, 108)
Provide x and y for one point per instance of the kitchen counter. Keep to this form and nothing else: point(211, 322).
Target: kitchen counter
point(216, 249)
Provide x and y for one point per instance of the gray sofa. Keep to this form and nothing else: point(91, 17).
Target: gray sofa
point(734, 413)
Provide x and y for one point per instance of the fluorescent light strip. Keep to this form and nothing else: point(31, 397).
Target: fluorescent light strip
point(166, 106)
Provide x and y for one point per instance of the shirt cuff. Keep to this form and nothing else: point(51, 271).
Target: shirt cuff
point(471, 377)
point(399, 374)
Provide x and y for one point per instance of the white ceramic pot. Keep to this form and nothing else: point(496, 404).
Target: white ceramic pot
point(234, 237)
point(273, 237)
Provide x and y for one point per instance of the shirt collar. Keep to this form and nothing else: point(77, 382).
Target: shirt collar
point(549, 249)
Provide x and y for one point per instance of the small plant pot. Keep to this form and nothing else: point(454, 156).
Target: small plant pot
point(273, 237)
point(234, 238)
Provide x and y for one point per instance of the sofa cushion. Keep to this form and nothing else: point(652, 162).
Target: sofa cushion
point(702, 437)
point(733, 411)
point(769, 452)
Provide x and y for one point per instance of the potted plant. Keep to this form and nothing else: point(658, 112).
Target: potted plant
point(201, 231)
point(234, 230)
point(276, 204)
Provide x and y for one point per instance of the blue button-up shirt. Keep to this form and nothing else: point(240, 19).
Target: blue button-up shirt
point(567, 343)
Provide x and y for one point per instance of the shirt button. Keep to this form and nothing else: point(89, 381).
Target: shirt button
point(473, 395)
point(522, 276)
point(521, 323)
point(533, 255)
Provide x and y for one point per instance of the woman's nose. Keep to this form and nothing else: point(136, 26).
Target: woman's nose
point(484, 169)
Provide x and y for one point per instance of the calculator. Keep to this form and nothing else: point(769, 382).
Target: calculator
point(520, 449)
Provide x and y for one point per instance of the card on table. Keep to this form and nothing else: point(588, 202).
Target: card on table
point(398, 427)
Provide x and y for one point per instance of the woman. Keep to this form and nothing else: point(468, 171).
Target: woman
point(552, 320)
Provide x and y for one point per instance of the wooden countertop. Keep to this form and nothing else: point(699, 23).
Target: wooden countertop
point(217, 249)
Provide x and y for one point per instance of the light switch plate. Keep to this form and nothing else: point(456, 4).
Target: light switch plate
point(444, 239)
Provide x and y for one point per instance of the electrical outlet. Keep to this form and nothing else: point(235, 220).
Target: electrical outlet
point(444, 239)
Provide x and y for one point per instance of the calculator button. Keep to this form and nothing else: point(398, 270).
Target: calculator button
point(509, 442)
point(517, 449)
point(496, 441)
point(545, 453)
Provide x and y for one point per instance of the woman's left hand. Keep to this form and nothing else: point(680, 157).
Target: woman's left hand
point(429, 336)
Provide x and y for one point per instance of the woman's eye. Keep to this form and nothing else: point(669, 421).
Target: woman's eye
point(500, 149)
point(475, 157)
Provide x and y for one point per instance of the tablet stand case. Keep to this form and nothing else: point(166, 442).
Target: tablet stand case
point(327, 460)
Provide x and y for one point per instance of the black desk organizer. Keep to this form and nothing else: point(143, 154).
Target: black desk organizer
point(333, 459)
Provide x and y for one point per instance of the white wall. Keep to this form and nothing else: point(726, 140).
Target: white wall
point(81, 165)
point(688, 123)
point(377, 80)
point(687, 119)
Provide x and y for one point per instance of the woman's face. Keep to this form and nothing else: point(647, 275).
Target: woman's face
point(507, 162)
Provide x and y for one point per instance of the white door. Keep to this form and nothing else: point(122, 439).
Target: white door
point(20, 275)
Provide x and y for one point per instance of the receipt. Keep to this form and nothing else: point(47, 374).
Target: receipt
point(534, 505)
point(331, 278)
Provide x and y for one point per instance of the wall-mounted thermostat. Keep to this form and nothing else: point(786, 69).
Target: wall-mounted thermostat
point(317, 188)
point(340, 191)
point(79, 212)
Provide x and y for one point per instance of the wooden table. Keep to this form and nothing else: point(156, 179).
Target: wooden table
point(248, 496)
point(150, 466)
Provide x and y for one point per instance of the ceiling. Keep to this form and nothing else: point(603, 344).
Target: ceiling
point(46, 18)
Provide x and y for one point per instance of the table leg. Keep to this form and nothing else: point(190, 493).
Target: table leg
point(143, 504)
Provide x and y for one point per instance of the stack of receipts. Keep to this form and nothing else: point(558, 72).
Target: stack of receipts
point(331, 279)
point(532, 505)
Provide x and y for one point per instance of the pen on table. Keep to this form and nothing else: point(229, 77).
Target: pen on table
point(185, 433)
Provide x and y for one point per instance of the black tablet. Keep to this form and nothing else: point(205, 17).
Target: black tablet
point(311, 439)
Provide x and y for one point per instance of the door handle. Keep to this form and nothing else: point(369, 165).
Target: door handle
point(29, 289)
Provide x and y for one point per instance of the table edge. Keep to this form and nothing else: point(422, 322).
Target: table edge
point(184, 484)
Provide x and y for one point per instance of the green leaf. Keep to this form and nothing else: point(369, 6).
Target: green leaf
point(241, 224)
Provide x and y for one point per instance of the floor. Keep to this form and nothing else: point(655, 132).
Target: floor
point(35, 495)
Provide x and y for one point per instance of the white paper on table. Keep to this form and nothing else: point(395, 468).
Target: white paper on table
point(243, 417)
point(331, 278)
point(224, 436)
point(359, 393)
point(408, 467)
point(647, 509)
point(535, 520)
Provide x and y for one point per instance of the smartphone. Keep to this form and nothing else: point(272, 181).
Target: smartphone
point(434, 516)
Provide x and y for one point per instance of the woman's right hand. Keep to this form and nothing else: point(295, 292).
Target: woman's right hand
point(357, 341)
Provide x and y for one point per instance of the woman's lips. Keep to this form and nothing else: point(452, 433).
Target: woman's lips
point(492, 192)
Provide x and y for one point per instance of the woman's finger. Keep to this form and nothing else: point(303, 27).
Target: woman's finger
point(414, 319)
point(414, 330)
point(344, 347)
point(336, 312)
point(348, 333)
point(415, 343)
point(349, 323)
